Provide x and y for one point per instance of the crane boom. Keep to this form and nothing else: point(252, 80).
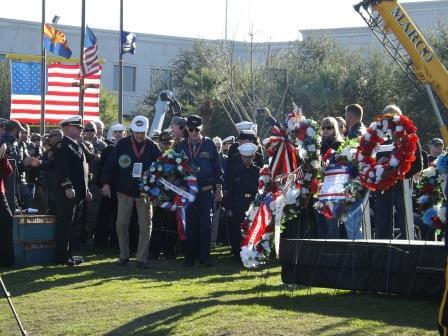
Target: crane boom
point(408, 47)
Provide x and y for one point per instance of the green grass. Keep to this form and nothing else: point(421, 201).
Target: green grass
point(98, 298)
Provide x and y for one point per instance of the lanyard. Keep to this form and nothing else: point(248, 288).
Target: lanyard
point(193, 155)
point(139, 154)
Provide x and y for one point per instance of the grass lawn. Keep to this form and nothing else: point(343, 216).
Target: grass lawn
point(98, 298)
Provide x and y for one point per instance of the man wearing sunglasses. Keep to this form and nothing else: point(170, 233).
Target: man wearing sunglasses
point(203, 154)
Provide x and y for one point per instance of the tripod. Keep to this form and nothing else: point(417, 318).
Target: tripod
point(8, 297)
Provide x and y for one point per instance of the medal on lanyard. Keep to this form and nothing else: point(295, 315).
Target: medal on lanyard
point(195, 153)
point(137, 169)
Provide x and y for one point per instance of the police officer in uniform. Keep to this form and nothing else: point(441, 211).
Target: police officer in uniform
point(203, 154)
point(70, 186)
point(241, 191)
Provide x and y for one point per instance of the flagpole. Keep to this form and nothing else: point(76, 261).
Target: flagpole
point(120, 69)
point(81, 60)
point(43, 65)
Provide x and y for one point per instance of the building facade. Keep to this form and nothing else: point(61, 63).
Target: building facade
point(155, 52)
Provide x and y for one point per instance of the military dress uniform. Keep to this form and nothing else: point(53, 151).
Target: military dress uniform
point(241, 191)
point(70, 171)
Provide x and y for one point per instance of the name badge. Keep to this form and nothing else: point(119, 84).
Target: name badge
point(204, 155)
point(137, 169)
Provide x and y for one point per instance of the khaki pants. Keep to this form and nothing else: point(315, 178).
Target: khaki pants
point(125, 207)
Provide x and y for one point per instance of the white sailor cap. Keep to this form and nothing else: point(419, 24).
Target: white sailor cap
point(139, 124)
point(118, 127)
point(229, 139)
point(246, 125)
point(247, 135)
point(72, 121)
point(247, 149)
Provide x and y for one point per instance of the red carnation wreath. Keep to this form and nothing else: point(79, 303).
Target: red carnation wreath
point(381, 174)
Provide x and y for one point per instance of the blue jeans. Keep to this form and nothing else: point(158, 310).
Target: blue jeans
point(353, 220)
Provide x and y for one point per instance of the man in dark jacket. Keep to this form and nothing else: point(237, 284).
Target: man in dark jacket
point(203, 154)
point(130, 157)
point(353, 120)
point(70, 186)
point(6, 247)
point(241, 191)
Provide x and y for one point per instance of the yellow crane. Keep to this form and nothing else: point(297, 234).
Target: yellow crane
point(408, 47)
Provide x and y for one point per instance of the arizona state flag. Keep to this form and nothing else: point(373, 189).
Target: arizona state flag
point(55, 41)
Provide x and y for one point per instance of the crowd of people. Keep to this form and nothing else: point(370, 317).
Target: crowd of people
point(90, 180)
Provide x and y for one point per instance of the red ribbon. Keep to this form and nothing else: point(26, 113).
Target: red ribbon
point(284, 159)
point(138, 154)
point(258, 227)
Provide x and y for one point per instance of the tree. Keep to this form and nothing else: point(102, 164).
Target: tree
point(108, 106)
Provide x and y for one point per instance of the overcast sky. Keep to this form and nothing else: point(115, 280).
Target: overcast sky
point(275, 20)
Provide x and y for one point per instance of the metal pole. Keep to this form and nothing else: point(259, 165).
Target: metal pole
point(81, 59)
point(120, 69)
point(8, 298)
point(43, 68)
point(225, 31)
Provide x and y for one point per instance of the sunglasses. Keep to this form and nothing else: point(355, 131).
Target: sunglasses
point(117, 131)
point(328, 128)
point(89, 130)
point(194, 130)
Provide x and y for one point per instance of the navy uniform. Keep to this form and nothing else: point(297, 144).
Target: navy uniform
point(241, 191)
point(70, 187)
point(202, 154)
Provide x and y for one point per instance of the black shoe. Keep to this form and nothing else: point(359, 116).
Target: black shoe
point(122, 262)
point(78, 260)
point(70, 262)
point(143, 265)
point(188, 263)
point(206, 263)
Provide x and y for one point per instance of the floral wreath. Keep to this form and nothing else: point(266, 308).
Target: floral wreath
point(430, 194)
point(383, 173)
point(282, 186)
point(345, 156)
point(171, 184)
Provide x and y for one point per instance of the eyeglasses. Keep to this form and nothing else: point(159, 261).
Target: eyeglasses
point(191, 130)
point(89, 130)
point(328, 128)
point(117, 131)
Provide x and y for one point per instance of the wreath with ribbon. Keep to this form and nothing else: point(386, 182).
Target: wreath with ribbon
point(171, 184)
point(430, 197)
point(292, 176)
point(380, 174)
point(353, 191)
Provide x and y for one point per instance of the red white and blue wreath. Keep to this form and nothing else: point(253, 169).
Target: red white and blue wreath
point(171, 184)
point(291, 179)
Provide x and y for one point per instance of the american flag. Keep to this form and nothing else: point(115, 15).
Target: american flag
point(62, 97)
point(91, 64)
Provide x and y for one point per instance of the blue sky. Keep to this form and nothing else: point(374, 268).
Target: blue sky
point(269, 20)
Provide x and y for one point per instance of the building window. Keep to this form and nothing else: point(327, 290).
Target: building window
point(128, 78)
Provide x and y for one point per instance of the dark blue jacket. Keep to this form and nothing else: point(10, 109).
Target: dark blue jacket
point(207, 159)
point(118, 168)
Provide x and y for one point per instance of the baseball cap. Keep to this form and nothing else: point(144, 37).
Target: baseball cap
point(139, 124)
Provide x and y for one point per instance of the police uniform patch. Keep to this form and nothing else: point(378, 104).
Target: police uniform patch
point(124, 161)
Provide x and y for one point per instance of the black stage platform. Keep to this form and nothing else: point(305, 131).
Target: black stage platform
point(410, 268)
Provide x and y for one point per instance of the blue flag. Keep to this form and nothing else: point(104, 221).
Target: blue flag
point(128, 42)
point(56, 42)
